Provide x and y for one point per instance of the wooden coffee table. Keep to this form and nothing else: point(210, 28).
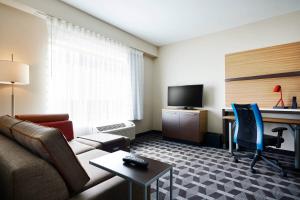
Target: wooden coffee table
point(144, 177)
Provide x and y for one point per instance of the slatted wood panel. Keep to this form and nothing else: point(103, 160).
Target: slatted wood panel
point(259, 63)
point(261, 91)
point(270, 60)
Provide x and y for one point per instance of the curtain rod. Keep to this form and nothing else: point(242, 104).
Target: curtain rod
point(45, 16)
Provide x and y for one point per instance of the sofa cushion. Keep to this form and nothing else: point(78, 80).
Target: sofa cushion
point(96, 174)
point(113, 188)
point(6, 122)
point(96, 145)
point(50, 144)
point(79, 148)
point(24, 175)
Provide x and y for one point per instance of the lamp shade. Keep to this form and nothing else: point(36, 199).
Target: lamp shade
point(14, 72)
point(277, 88)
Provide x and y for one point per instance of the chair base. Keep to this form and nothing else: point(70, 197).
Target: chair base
point(258, 156)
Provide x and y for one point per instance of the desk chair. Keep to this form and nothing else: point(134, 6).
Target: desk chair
point(249, 135)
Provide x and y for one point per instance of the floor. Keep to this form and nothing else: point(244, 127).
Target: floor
point(209, 173)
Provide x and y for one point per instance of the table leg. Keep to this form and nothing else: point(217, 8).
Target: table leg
point(297, 147)
point(157, 189)
point(171, 183)
point(145, 193)
point(230, 137)
point(130, 190)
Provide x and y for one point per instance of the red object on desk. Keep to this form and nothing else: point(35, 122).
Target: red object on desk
point(277, 88)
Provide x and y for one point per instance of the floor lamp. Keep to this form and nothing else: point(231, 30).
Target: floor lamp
point(13, 73)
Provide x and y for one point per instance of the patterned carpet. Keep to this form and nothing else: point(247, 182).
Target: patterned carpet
point(209, 173)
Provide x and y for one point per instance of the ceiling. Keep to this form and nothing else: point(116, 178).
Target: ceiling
point(162, 22)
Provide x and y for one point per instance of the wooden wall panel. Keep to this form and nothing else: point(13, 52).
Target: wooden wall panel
point(261, 91)
point(270, 60)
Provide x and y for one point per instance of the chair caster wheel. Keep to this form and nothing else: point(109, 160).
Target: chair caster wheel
point(283, 174)
point(235, 160)
point(253, 171)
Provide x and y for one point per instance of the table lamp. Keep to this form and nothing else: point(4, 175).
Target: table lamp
point(277, 88)
point(13, 73)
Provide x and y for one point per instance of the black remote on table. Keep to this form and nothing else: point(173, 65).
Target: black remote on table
point(135, 161)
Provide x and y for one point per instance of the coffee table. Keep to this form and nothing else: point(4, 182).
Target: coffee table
point(113, 163)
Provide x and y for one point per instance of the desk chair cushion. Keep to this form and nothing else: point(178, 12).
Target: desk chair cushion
point(249, 126)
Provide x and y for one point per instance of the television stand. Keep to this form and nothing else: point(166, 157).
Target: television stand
point(182, 124)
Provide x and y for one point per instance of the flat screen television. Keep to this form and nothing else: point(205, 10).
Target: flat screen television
point(188, 96)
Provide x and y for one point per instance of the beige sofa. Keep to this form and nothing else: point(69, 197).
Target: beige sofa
point(36, 162)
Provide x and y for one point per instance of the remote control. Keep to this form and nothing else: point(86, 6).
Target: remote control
point(135, 161)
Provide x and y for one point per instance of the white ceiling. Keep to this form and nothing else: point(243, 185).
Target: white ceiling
point(162, 22)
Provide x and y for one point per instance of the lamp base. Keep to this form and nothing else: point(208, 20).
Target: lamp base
point(280, 107)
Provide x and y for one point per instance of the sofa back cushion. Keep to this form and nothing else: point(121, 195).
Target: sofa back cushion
point(66, 127)
point(50, 145)
point(6, 122)
point(24, 175)
point(60, 121)
point(40, 118)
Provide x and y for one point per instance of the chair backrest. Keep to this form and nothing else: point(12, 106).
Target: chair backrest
point(249, 127)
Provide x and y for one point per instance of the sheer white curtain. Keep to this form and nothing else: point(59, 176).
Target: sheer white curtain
point(137, 83)
point(93, 78)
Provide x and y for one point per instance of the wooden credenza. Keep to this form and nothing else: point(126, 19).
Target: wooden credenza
point(189, 125)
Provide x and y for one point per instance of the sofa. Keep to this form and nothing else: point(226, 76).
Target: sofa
point(38, 162)
point(103, 141)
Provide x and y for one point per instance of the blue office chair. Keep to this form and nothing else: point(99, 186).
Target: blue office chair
point(249, 135)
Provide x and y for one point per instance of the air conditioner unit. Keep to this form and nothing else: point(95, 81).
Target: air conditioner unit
point(126, 129)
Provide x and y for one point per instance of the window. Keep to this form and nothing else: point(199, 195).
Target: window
point(93, 78)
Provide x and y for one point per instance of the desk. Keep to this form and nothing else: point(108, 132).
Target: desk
point(228, 118)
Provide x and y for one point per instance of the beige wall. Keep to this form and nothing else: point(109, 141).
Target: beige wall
point(201, 61)
point(26, 35)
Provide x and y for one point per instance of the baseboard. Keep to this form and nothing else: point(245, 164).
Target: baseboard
point(210, 139)
point(148, 132)
point(281, 151)
point(213, 140)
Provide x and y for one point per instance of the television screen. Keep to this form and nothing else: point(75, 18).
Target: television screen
point(188, 95)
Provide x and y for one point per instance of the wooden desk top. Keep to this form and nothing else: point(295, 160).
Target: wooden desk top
point(273, 110)
point(271, 120)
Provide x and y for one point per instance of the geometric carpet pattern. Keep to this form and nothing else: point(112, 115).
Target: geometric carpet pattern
point(210, 173)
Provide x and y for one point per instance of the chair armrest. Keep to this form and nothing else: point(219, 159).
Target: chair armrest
point(279, 130)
